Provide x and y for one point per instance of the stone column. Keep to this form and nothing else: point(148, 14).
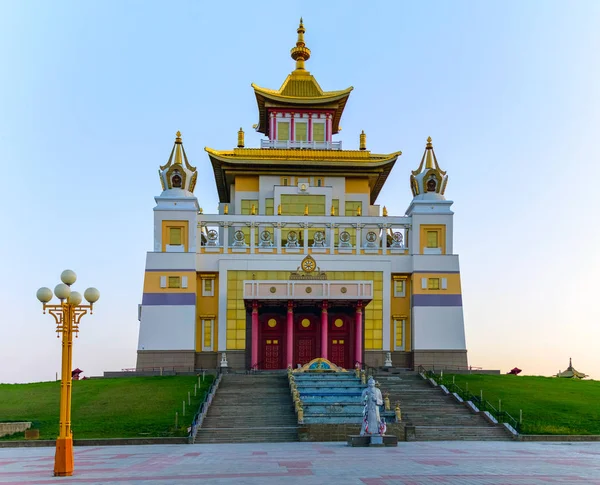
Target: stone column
point(324, 340)
point(254, 355)
point(290, 334)
point(358, 357)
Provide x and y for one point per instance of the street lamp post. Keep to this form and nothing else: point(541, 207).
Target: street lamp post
point(67, 315)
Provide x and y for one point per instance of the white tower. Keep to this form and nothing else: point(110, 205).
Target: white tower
point(437, 313)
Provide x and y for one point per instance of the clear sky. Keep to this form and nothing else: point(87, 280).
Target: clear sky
point(92, 93)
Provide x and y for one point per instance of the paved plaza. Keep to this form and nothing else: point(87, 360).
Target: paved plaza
point(420, 463)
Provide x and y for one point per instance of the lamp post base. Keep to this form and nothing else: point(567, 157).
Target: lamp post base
point(63, 459)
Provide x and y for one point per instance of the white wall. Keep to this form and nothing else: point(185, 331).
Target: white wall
point(167, 327)
point(438, 328)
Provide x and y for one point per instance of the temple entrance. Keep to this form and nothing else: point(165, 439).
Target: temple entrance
point(340, 348)
point(272, 327)
point(305, 342)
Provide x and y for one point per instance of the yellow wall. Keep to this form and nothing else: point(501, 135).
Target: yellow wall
point(207, 307)
point(166, 225)
point(357, 185)
point(400, 307)
point(152, 282)
point(246, 183)
point(452, 278)
point(441, 230)
point(236, 313)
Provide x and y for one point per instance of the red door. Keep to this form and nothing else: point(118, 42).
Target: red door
point(338, 351)
point(305, 338)
point(340, 340)
point(306, 349)
point(272, 354)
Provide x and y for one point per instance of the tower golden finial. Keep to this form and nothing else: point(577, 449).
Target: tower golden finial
point(178, 137)
point(240, 138)
point(359, 211)
point(429, 149)
point(300, 53)
point(332, 210)
point(279, 210)
point(363, 140)
point(385, 212)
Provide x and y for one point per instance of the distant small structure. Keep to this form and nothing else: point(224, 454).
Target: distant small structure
point(514, 371)
point(75, 374)
point(571, 373)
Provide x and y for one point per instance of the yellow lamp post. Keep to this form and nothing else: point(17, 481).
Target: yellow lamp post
point(67, 315)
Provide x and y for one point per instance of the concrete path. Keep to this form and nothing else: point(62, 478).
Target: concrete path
point(420, 463)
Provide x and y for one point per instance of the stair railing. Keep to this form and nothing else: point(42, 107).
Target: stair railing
point(298, 406)
point(482, 404)
point(203, 408)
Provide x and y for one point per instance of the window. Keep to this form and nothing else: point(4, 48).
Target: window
point(283, 131)
point(174, 282)
point(285, 181)
point(318, 132)
point(208, 287)
point(207, 334)
point(293, 205)
point(175, 236)
point(432, 239)
point(301, 132)
point(247, 206)
point(352, 208)
point(319, 181)
point(269, 207)
point(433, 283)
point(399, 288)
point(399, 326)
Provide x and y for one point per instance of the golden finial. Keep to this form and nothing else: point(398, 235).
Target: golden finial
point(363, 140)
point(178, 137)
point(332, 210)
point(300, 53)
point(306, 210)
point(226, 210)
point(385, 212)
point(359, 211)
point(429, 149)
point(240, 138)
point(253, 210)
point(200, 211)
point(279, 210)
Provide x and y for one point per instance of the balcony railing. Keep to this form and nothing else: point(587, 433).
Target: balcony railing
point(314, 145)
point(299, 234)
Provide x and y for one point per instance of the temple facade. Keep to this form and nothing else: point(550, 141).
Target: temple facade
point(301, 262)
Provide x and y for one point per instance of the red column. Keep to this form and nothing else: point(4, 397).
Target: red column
point(292, 134)
point(254, 355)
point(290, 335)
point(324, 342)
point(359, 334)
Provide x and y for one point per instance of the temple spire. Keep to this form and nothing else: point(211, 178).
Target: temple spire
point(300, 53)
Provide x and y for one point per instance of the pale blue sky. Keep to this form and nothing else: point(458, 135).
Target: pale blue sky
point(92, 93)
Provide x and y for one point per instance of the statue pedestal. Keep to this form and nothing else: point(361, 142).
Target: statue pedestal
point(373, 440)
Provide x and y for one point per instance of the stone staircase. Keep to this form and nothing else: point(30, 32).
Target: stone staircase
point(250, 409)
point(436, 416)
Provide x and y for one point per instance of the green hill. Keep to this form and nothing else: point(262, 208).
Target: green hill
point(131, 407)
point(550, 405)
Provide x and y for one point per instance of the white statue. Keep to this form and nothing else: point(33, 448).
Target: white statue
point(373, 424)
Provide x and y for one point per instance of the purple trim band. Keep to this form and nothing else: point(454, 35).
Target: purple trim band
point(170, 270)
point(437, 300)
point(169, 299)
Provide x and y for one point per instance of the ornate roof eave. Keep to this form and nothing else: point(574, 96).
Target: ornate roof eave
point(377, 167)
point(263, 96)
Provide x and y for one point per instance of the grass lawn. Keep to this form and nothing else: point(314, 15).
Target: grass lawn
point(550, 405)
point(131, 407)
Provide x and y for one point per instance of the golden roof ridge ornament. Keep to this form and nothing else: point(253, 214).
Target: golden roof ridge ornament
point(428, 177)
point(178, 166)
point(300, 53)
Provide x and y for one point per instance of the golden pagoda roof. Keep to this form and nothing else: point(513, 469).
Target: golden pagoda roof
point(300, 89)
point(263, 161)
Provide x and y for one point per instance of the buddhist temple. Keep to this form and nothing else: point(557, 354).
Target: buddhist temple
point(301, 261)
point(571, 373)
